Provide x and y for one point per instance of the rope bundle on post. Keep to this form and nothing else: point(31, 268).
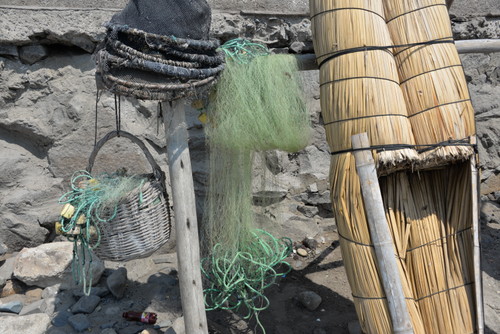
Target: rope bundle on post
point(157, 67)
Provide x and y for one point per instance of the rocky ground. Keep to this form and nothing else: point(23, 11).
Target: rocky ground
point(313, 298)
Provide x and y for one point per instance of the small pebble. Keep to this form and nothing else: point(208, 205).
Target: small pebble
point(149, 331)
point(302, 252)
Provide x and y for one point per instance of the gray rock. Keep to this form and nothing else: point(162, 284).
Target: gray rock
point(310, 243)
point(178, 326)
point(309, 299)
point(354, 327)
point(297, 47)
point(79, 322)
point(108, 331)
point(61, 318)
point(31, 54)
point(490, 212)
point(3, 249)
point(50, 305)
point(308, 210)
point(112, 310)
point(100, 291)
point(164, 323)
point(108, 325)
point(28, 324)
point(50, 264)
point(86, 304)
point(8, 50)
point(51, 291)
point(117, 282)
point(131, 329)
point(11, 307)
point(318, 330)
point(36, 307)
point(6, 270)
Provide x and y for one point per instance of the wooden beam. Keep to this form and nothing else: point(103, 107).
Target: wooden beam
point(478, 46)
point(381, 235)
point(476, 231)
point(186, 225)
point(307, 61)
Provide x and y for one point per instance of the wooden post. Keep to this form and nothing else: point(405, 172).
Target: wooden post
point(186, 225)
point(381, 236)
point(478, 282)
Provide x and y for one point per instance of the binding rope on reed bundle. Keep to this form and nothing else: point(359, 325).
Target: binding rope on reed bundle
point(257, 106)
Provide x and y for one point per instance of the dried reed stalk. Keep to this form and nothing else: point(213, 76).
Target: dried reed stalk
point(340, 26)
point(360, 93)
point(359, 255)
point(434, 210)
point(432, 78)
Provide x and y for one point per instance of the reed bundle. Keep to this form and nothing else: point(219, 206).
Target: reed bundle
point(432, 78)
point(351, 40)
point(359, 255)
point(432, 211)
point(360, 92)
point(411, 94)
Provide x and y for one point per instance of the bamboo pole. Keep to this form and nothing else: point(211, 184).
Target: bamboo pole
point(381, 235)
point(477, 248)
point(307, 62)
point(186, 225)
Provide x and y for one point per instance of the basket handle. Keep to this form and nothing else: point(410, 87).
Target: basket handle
point(157, 172)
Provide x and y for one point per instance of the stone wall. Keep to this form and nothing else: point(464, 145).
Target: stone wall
point(48, 98)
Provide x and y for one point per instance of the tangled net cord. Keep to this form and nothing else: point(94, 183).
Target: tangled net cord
point(86, 196)
point(243, 51)
point(240, 279)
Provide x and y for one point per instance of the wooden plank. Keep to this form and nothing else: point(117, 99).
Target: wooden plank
point(186, 225)
point(478, 282)
point(381, 235)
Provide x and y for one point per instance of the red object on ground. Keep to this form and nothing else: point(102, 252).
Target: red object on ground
point(145, 317)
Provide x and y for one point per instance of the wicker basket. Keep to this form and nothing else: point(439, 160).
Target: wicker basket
point(140, 227)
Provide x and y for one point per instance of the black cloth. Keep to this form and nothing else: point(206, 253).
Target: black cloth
point(180, 18)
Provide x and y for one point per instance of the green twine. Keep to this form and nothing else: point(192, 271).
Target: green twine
point(95, 201)
point(239, 279)
point(243, 51)
point(257, 106)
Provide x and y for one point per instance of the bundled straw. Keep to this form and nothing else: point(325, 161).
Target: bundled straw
point(360, 93)
point(433, 212)
point(351, 42)
point(432, 78)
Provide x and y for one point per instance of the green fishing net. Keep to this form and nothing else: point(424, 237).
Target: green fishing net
point(92, 201)
point(257, 106)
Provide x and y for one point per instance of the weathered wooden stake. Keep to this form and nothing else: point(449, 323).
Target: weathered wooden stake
point(186, 224)
point(478, 282)
point(381, 235)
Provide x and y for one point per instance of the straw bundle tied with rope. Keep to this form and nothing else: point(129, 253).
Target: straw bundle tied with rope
point(432, 78)
point(349, 40)
point(429, 214)
point(360, 93)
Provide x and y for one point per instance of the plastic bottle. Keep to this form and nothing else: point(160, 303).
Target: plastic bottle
point(145, 317)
